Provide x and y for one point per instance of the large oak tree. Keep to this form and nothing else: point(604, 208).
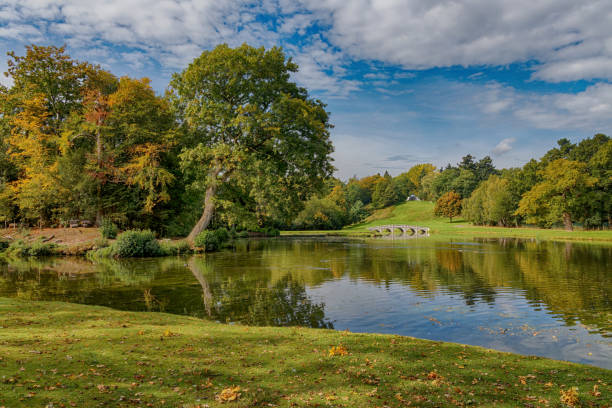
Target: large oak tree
point(254, 138)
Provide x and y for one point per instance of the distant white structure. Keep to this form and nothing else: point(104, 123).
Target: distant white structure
point(412, 197)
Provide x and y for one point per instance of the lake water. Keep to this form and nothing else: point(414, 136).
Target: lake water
point(547, 299)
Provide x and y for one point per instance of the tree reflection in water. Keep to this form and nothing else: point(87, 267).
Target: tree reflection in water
point(258, 303)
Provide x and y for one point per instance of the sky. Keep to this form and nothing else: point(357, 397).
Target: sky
point(405, 81)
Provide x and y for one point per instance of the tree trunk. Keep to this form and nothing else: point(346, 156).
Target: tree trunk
point(567, 221)
point(209, 209)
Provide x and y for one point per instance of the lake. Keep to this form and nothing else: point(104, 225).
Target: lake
point(536, 298)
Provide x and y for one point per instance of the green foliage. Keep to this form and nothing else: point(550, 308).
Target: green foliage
point(135, 243)
point(490, 204)
point(558, 197)
point(262, 232)
point(180, 247)
point(357, 212)
point(385, 193)
point(20, 248)
point(108, 229)
point(449, 205)
point(101, 243)
point(255, 140)
point(320, 213)
point(211, 240)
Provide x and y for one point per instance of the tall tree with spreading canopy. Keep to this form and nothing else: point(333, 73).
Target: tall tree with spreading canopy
point(250, 128)
point(557, 196)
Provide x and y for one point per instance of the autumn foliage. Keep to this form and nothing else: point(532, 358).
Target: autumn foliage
point(449, 205)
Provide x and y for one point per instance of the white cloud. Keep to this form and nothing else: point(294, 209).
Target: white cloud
point(321, 68)
point(589, 111)
point(571, 39)
point(503, 146)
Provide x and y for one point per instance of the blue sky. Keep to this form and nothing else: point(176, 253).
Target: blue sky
point(406, 81)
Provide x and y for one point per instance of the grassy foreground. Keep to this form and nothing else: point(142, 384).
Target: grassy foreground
point(59, 354)
point(421, 213)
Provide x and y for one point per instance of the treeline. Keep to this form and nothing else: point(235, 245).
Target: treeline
point(569, 184)
point(233, 142)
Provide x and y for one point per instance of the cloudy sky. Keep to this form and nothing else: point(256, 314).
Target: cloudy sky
point(406, 81)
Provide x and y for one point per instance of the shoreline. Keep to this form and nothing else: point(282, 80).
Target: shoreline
point(476, 232)
point(107, 355)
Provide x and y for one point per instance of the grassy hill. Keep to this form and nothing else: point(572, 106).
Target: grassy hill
point(420, 213)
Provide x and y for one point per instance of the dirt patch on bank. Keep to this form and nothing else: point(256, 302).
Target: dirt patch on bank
point(78, 238)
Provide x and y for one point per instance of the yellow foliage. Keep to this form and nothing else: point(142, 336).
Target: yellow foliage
point(570, 397)
point(338, 351)
point(229, 394)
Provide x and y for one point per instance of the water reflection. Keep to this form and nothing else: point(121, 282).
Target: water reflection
point(550, 299)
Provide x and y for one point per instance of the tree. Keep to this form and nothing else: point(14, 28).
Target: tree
point(484, 169)
point(557, 196)
point(320, 213)
point(465, 183)
point(247, 124)
point(449, 205)
point(385, 193)
point(491, 203)
point(416, 174)
point(47, 87)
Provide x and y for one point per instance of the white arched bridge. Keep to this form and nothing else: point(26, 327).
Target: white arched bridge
point(405, 229)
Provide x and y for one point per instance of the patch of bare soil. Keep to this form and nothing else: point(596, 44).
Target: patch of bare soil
point(69, 237)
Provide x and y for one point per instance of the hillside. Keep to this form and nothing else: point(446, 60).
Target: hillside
point(420, 213)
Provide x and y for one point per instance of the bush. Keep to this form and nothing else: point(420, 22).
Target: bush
point(135, 243)
point(106, 252)
point(175, 248)
point(271, 232)
point(101, 243)
point(242, 234)
point(42, 249)
point(211, 240)
point(38, 248)
point(108, 229)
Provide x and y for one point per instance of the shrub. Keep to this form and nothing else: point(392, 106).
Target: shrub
point(271, 232)
point(211, 240)
point(42, 249)
point(4, 244)
point(242, 234)
point(135, 243)
point(175, 248)
point(38, 248)
point(101, 243)
point(108, 229)
point(106, 252)
point(222, 234)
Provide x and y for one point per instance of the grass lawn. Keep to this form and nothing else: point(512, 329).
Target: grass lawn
point(57, 354)
point(420, 213)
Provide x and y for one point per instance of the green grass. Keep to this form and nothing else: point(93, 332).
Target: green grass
point(59, 354)
point(420, 213)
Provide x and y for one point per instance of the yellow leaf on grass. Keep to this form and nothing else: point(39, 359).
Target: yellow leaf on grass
point(338, 351)
point(229, 394)
point(570, 397)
